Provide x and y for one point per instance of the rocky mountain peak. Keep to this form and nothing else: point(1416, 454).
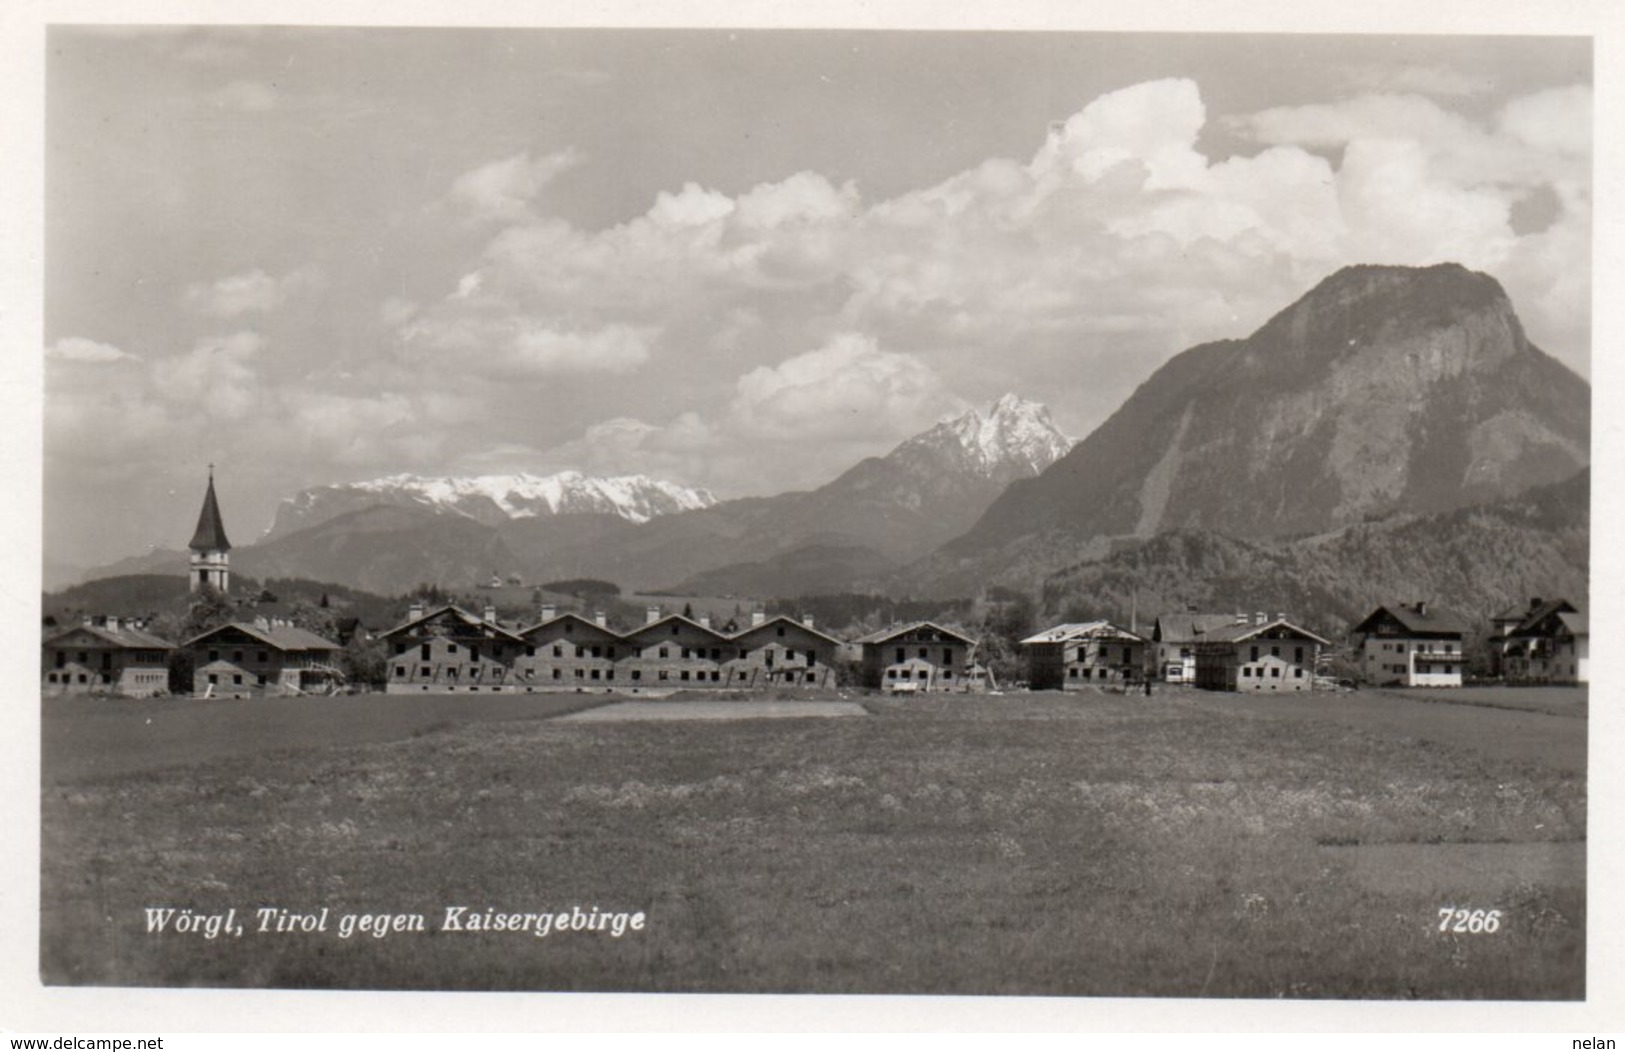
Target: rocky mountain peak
point(1015, 438)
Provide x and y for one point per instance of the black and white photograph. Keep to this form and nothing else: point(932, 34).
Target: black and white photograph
point(1015, 510)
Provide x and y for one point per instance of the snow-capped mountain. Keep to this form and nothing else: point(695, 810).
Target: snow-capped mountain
point(1015, 439)
point(494, 499)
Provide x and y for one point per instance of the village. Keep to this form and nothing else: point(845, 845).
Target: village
point(446, 649)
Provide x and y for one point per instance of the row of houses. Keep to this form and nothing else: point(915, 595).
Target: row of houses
point(451, 650)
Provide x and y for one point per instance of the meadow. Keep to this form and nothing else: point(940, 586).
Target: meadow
point(1183, 845)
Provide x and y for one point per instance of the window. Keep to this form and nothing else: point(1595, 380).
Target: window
point(558, 651)
point(715, 676)
point(214, 655)
point(1275, 673)
point(1297, 673)
point(595, 674)
point(611, 653)
point(924, 653)
point(1297, 655)
point(400, 671)
point(426, 671)
point(1074, 673)
point(581, 651)
point(716, 653)
point(530, 651)
point(683, 675)
point(664, 674)
point(947, 655)
point(665, 652)
point(674, 630)
point(891, 673)
point(423, 652)
point(1275, 651)
point(597, 651)
point(685, 652)
point(637, 673)
point(451, 648)
point(781, 630)
point(581, 673)
point(1247, 672)
point(237, 655)
point(263, 657)
point(400, 648)
point(214, 680)
point(50, 677)
point(261, 679)
point(569, 627)
point(1255, 655)
point(473, 653)
point(900, 654)
point(556, 674)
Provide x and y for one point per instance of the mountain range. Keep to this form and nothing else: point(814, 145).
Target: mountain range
point(1390, 414)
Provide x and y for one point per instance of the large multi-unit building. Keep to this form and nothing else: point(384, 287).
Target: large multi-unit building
point(1552, 644)
point(262, 658)
point(106, 656)
point(1411, 645)
point(919, 656)
point(452, 650)
point(1261, 655)
point(1074, 656)
point(1174, 639)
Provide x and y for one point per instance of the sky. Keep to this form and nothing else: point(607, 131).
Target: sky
point(737, 259)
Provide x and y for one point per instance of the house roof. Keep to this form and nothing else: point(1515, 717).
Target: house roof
point(1429, 620)
point(651, 625)
point(1237, 633)
point(1181, 628)
point(472, 620)
point(131, 638)
point(789, 621)
point(885, 635)
point(210, 535)
point(571, 615)
point(282, 637)
point(1526, 616)
point(1080, 630)
point(1577, 624)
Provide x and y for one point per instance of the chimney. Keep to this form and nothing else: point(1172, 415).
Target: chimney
point(416, 610)
point(1280, 615)
point(261, 623)
point(1421, 608)
point(549, 611)
point(651, 615)
point(490, 614)
point(87, 621)
point(112, 623)
point(757, 618)
point(1259, 617)
point(1241, 617)
point(705, 620)
point(599, 619)
point(807, 620)
point(1534, 604)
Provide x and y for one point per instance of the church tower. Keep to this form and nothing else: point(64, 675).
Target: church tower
point(209, 545)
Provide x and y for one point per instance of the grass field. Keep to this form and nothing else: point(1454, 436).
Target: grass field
point(1187, 844)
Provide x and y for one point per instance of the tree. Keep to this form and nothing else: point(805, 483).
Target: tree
point(313, 618)
point(363, 662)
point(210, 608)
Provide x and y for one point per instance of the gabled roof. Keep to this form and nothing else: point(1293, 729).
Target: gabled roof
point(1187, 627)
point(885, 635)
point(123, 637)
point(1526, 616)
point(571, 615)
point(1236, 633)
point(1577, 624)
point(281, 637)
point(471, 620)
point(1429, 620)
point(789, 622)
point(1081, 630)
point(652, 625)
point(210, 535)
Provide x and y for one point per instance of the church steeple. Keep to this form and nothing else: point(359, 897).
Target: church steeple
point(209, 545)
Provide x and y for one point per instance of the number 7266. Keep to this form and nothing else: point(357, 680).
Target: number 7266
point(1452, 918)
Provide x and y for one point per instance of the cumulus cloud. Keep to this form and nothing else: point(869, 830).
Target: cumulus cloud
point(78, 349)
point(505, 190)
point(848, 389)
point(217, 377)
point(250, 292)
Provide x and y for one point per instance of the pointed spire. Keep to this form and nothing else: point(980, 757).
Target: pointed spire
point(211, 530)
